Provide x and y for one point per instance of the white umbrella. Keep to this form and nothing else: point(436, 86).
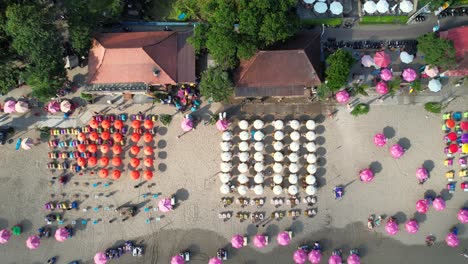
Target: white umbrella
point(293, 167)
point(225, 146)
point(311, 168)
point(310, 136)
point(65, 106)
point(370, 7)
point(259, 178)
point(293, 157)
point(311, 158)
point(292, 179)
point(279, 135)
point(294, 124)
point(278, 179)
point(224, 189)
point(242, 179)
point(23, 107)
point(278, 124)
point(258, 156)
point(320, 7)
point(242, 167)
point(258, 124)
point(258, 189)
point(258, 136)
point(224, 177)
point(434, 85)
point(244, 156)
point(258, 146)
point(277, 190)
point(278, 156)
point(294, 146)
point(311, 147)
point(242, 189)
point(292, 190)
point(259, 166)
point(309, 1)
point(243, 124)
point(311, 190)
point(26, 143)
point(336, 8)
point(405, 57)
point(278, 145)
point(226, 136)
point(382, 6)
point(367, 61)
point(225, 166)
point(244, 135)
point(310, 124)
point(406, 6)
point(277, 167)
point(226, 156)
point(295, 136)
point(310, 179)
point(431, 71)
point(243, 146)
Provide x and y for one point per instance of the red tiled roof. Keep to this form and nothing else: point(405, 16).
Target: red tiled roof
point(459, 36)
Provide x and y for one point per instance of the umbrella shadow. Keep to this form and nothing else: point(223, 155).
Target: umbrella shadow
point(3, 223)
point(251, 230)
point(297, 227)
point(400, 217)
point(162, 131)
point(162, 144)
point(182, 194)
point(419, 217)
point(389, 132)
point(162, 167)
point(320, 140)
point(405, 143)
point(321, 161)
point(26, 225)
point(162, 155)
point(272, 230)
point(376, 167)
point(428, 165)
point(321, 151)
point(320, 129)
point(446, 195)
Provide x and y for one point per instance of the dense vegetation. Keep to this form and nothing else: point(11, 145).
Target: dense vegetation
point(437, 51)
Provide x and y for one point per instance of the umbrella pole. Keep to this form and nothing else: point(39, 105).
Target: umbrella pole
point(179, 136)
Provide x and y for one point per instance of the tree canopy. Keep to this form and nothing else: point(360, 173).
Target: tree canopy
point(337, 72)
point(435, 4)
point(217, 84)
point(437, 51)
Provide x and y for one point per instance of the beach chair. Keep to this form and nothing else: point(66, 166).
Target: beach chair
point(451, 187)
point(462, 173)
point(446, 116)
point(445, 128)
point(448, 162)
point(449, 175)
point(464, 186)
point(465, 115)
point(462, 162)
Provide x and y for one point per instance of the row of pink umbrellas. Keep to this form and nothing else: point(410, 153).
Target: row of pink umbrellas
point(12, 106)
point(422, 206)
point(33, 242)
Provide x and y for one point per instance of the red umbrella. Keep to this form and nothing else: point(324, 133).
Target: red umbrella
point(135, 175)
point(382, 59)
point(453, 148)
point(118, 137)
point(148, 150)
point(94, 136)
point(118, 124)
point(103, 173)
point(105, 148)
point(148, 162)
point(450, 123)
point(148, 124)
point(147, 175)
point(134, 162)
point(105, 135)
point(106, 124)
point(452, 136)
point(464, 125)
point(116, 161)
point(147, 137)
point(81, 161)
point(92, 161)
point(136, 124)
point(116, 174)
point(117, 149)
point(94, 123)
point(92, 148)
point(81, 136)
point(81, 148)
point(104, 161)
point(135, 137)
point(134, 150)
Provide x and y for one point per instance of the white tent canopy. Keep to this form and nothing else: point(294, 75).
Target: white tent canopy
point(336, 8)
point(406, 6)
point(405, 57)
point(309, 1)
point(225, 166)
point(293, 168)
point(311, 147)
point(370, 7)
point(311, 168)
point(382, 6)
point(243, 124)
point(225, 146)
point(434, 85)
point(226, 156)
point(320, 7)
point(278, 156)
point(292, 190)
point(258, 167)
point(310, 136)
point(311, 158)
point(258, 136)
point(244, 135)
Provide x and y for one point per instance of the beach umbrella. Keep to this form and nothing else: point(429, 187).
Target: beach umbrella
point(105, 135)
point(278, 145)
point(464, 139)
point(311, 190)
point(104, 148)
point(118, 124)
point(406, 6)
point(81, 136)
point(104, 161)
point(177, 259)
point(33, 242)
point(225, 146)
point(366, 175)
point(117, 137)
point(258, 136)
point(431, 71)
point(103, 173)
point(21, 107)
point(335, 259)
point(222, 125)
point(116, 174)
point(293, 157)
point(134, 162)
point(310, 179)
point(310, 136)
point(315, 256)
point(135, 137)
point(439, 204)
point(294, 124)
point(100, 258)
point(342, 96)
point(53, 107)
point(311, 168)
point(452, 240)
point(226, 156)
point(310, 124)
point(434, 85)
point(293, 167)
point(10, 107)
point(224, 177)
point(277, 179)
point(242, 179)
point(277, 190)
point(5, 235)
point(320, 7)
point(309, 1)
point(463, 215)
point(450, 123)
point(135, 149)
point(225, 166)
point(381, 58)
point(81, 161)
point(453, 148)
point(278, 156)
point(258, 124)
point(259, 241)
point(370, 7)
point(116, 161)
point(464, 125)
point(242, 167)
point(381, 88)
point(283, 238)
point(279, 135)
point(397, 151)
point(147, 175)
point(116, 149)
point(294, 146)
point(81, 148)
point(258, 146)
point(136, 124)
point(292, 179)
point(391, 227)
point(353, 259)
point(311, 158)
point(258, 189)
point(226, 136)
point(106, 124)
point(380, 140)
point(278, 124)
point(292, 190)
point(62, 234)
point(237, 241)
point(243, 146)
point(26, 143)
point(409, 74)
point(148, 150)
point(243, 156)
point(452, 136)
point(422, 206)
point(367, 61)
point(300, 256)
point(187, 124)
point(93, 123)
point(243, 124)
point(147, 137)
point(295, 136)
point(215, 260)
point(386, 74)
point(405, 57)
point(165, 205)
point(412, 226)
point(135, 175)
point(422, 174)
point(382, 6)
point(311, 147)
point(259, 166)
point(148, 124)
point(92, 161)
point(258, 156)
point(336, 8)
point(242, 189)
point(277, 167)
point(259, 178)
point(93, 136)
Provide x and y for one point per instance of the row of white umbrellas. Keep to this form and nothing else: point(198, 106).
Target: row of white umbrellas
point(277, 167)
point(277, 124)
point(259, 146)
point(259, 189)
point(278, 135)
point(321, 7)
point(382, 6)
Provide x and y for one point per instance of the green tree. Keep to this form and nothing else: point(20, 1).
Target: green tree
point(198, 40)
point(435, 4)
point(217, 84)
point(437, 51)
point(9, 75)
point(337, 72)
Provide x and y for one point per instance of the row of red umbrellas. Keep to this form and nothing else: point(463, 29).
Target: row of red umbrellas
point(118, 137)
point(115, 174)
point(119, 124)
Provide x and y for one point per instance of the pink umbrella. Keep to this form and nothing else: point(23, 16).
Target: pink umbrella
point(366, 175)
point(438, 204)
point(100, 258)
point(342, 96)
point(353, 259)
point(334, 259)
point(463, 215)
point(397, 151)
point(187, 124)
point(300, 256)
point(382, 59)
point(452, 240)
point(237, 241)
point(178, 259)
point(421, 174)
point(165, 205)
point(391, 227)
point(431, 71)
point(53, 107)
point(215, 261)
point(409, 75)
point(315, 256)
point(5, 235)
point(422, 206)
point(381, 88)
point(62, 234)
point(386, 74)
point(9, 107)
point(283, 238)
point(33, 242)
point(412, 226)
point(260, 241)
point(380, 140)
point(222, 125)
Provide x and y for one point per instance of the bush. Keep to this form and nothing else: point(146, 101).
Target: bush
point(360, 109)
point(86, 96)
point(322, 21)
point(165, 119)
point(433, 107)
point(217, 84)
